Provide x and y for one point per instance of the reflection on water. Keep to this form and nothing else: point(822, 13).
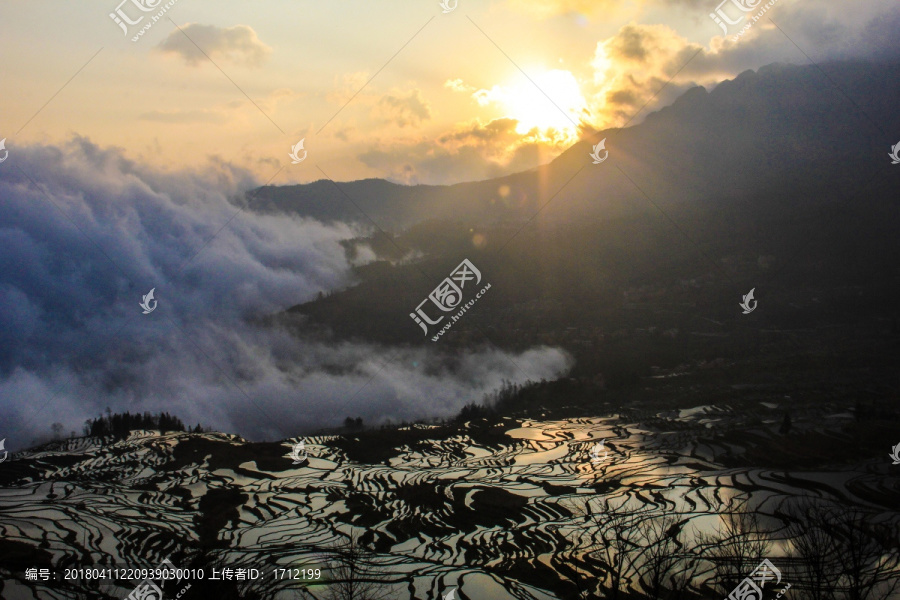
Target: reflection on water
point(499, 520)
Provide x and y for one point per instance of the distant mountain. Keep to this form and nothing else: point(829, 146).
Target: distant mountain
point(777, 181)
point(822, 131)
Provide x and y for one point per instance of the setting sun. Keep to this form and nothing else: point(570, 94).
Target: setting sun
point(534, 110)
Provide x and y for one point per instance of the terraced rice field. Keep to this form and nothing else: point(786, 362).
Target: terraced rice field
point(496, 520)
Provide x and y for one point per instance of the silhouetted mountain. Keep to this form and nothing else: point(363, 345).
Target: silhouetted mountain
point(821, 132)
point(775, 181)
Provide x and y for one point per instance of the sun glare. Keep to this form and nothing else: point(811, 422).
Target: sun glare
point(533, 109)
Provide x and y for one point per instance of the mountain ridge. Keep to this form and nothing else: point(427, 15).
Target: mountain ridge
point(753, 124)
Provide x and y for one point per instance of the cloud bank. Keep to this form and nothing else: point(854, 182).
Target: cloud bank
point(86, 233)
point(238, 45)
point(640, 69)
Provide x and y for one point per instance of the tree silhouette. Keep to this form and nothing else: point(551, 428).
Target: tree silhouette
point(737, 549)
point(842, 552)
point(868, 551)
point(617, 526)
point(354, 573)
point(666, 569)
point(119, 425)
point(785, 424)
point(814, 549)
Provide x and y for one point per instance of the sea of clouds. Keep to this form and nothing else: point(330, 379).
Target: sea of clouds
point(85, 233)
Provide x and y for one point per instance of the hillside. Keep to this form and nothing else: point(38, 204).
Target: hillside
point(501, 508)
point(809, 129)
point(773, 182)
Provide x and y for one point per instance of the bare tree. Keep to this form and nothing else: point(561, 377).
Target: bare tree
point(666, 569)
point(814, 549)
point(569, 560)
point(868, 554)
point(682, 576)
point(354, 573)
point(617, 526)
point(737, 549)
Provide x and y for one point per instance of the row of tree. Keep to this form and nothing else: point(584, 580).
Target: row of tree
point(119, 425)
point(834, 552)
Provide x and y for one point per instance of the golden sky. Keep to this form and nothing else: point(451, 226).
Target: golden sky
point(388, 88)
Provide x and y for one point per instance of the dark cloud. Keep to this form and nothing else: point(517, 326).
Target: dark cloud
point(639, 70)
point(86, 233)
point(499, 129)
point(238, 45)
point(468, 154)
point(403, 109)
point(653, 64)
point(626, 97)
point(630, 44)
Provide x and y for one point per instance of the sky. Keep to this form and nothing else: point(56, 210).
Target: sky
point(396, 89)
point(124, 163)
